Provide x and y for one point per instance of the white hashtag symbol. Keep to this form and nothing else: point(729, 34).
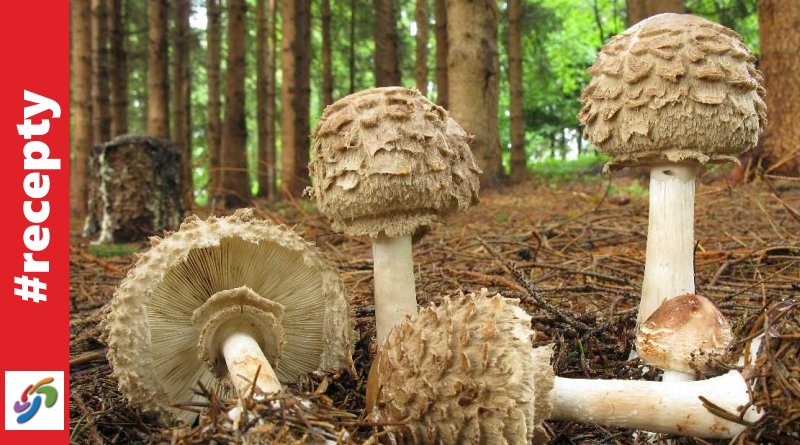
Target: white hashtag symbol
point(30, 289)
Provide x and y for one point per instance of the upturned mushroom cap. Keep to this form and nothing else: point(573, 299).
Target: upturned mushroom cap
point(675, 87)
point(465, 373)
point(390, 160)
point(163, 321)
point(684, 334)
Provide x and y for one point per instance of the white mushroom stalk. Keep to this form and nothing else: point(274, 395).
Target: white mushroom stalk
point(248, 367)
point(386, 163)
point(467, 372)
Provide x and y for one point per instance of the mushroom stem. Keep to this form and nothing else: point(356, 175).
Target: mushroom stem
point(244, 357)
point(659, 407)
point(669, 264)
point(395, 296)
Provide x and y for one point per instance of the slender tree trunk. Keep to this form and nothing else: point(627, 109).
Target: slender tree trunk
point(295, 94)
point(639, 10)
point(235, 181)
point(352, 52)
point(157, 87)
point(118, 77)
point(214, 124)
point(272, 67)
point(81, 105)
point(422, 46)
point(327, 69)
point(473, 78)
point(181, 99)
point(101, 131)
point(519, 164)
point(263, 68)
point(440, 10)
point(387, 54)
point(778, 23)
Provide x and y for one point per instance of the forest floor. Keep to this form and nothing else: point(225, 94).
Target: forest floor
point(580, 244)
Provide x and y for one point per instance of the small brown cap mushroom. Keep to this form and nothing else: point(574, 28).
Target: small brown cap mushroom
point(163, 323)
point(684, 334)
point(674, 87)
point(390, 160)
point(465, 373)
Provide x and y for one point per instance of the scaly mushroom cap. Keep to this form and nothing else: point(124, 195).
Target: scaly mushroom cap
point(675, 87)
point(465, 373)
point(389, 160)
point(684, 334)
point(163, 321)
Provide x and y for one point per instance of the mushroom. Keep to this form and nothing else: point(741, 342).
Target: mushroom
point(685, 335)
point(674, 92)
point(388, 162)
point(466, 372)
point(233, 301)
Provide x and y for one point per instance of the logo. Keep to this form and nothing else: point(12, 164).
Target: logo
point(34, 400)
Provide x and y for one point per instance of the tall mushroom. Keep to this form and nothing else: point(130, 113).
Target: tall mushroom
point(673, 92)
point(387, 162)
point(233, 300)
point(466, 372)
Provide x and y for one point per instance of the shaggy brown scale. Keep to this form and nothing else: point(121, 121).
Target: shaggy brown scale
point(389, 160)
point(675, 87)
point(464, 373)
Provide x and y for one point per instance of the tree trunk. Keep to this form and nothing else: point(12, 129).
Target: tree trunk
point(157, 87)
point(262, 80)
point(101, 131)
point(780, 61)
point(272, 130)
point(387, 57)
point(295, 94)
point(441, 53)
point(519, 164)
point(473, 78)
point(81, 105)
point(422, 46)
point(214, 124)
point(181, 99)
point(639, 10)
point(352, 52)
point(327, 69)
point(118, 77)
point(235, 181)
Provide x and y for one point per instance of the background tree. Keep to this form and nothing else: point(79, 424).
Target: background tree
point(440, 11)
point(327, 67)
point(262, 85)
point(295, 94)
point(101, 131)
point(118, 77)
point(234, 178)
point(473, 75)
point(422, 46)
point(81, 105)
point(214, 124)
point(779, 22)
point(519, 167)
point(181, 98)
point(639, 10)
point(157, 87)
point(272, 130)
point(387, 53)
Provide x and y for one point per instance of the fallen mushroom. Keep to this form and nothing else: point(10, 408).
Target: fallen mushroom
point(686, 334)
point(233, 300)
point(674, 91)
point(386, 163)
point(466, 372)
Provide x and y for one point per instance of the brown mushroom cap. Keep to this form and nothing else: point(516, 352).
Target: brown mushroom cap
point(465, 373)
point(684, 334)
point(674, 87)
point(163, 321)
point(390, 160)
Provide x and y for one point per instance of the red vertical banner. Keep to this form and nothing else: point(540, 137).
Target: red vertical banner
point(34, 176)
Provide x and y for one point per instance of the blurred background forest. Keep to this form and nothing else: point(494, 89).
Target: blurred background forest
point(236, 86)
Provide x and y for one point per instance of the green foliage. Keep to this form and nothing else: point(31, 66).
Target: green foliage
point(587, 166)
point(112, 250)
